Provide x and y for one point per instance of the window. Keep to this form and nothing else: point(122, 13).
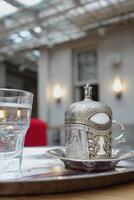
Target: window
point(95, 95)
point(86, 70)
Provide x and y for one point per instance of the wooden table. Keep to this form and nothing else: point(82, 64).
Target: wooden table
point(120, 192)
point(46, 175)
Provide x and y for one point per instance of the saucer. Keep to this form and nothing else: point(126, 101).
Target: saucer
point(90, 165)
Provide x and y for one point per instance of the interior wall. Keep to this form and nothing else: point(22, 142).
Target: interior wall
point(112, 45)
point(55, 67)
point(2, 75)
point(61, 73)
point(117, 45)
point(43, 85)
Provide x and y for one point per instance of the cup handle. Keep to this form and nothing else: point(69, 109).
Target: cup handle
point(121, 138)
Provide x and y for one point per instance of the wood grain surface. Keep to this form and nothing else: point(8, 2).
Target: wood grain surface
point(44, 175)
point(119, 192)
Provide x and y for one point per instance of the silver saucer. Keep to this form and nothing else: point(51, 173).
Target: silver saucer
point(91, 165)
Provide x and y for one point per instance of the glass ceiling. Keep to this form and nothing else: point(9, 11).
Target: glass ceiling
point(26, 24)
point(27, 3)
point(6, 9)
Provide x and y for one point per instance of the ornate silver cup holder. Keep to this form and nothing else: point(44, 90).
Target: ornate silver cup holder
point(91, 165)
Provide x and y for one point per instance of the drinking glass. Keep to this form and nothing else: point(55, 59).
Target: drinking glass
point(15, 114)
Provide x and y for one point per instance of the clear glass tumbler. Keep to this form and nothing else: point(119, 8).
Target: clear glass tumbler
point(15, 114)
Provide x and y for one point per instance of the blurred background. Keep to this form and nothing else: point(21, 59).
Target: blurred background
point(53, 47)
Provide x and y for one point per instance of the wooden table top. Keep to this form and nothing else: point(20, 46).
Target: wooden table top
point(118, 192)
point(46, 175)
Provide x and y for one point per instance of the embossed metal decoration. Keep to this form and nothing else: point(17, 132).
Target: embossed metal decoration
point(84, 138)
point(91, 165)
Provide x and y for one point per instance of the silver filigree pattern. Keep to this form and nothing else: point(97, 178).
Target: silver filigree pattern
point(82, 136)
point(85, 138)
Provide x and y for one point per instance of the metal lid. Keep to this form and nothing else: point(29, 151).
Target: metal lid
point(80, 112)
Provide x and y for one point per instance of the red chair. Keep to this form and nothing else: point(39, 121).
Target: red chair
point(36, 134)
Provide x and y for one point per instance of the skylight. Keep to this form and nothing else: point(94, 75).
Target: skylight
point(6, 9)
point(15, 38)
point(25, 34)
point(37, 29)
point(49, 22)
point(28, 3)
point(96, 5)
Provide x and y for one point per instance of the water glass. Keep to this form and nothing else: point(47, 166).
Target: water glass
point(15, 114)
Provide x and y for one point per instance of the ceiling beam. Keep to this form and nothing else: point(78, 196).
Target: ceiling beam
point(40, 19)
point(15, 3)
point(40, 42)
